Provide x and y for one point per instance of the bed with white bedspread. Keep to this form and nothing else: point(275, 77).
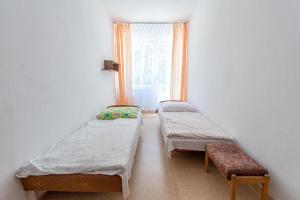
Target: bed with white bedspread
point(105, 147)
point(189, 130)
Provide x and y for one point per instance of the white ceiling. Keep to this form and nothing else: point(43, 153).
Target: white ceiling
point(150, 10)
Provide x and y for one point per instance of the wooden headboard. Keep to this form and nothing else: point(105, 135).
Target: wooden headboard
point(172, 100)
point(123, 106)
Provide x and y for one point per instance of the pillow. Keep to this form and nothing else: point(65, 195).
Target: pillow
point(118, 112)
point(177, 106)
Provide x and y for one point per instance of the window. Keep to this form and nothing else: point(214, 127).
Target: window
point(151, 50)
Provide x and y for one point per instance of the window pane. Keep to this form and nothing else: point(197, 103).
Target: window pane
point(152, 45)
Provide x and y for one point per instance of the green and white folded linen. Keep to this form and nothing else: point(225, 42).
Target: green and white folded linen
point(112, 113)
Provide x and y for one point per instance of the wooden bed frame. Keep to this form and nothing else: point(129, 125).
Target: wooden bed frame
point(73, 182)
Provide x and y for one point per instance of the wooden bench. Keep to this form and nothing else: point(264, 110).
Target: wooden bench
point(238, 167)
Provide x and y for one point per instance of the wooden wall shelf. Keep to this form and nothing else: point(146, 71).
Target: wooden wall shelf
point(110, 65)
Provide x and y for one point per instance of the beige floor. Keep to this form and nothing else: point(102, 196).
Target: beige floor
point(156, 177)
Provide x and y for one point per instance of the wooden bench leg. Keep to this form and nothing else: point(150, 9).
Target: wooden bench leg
point(265, 188)
point(206, 161)
point(233, 184)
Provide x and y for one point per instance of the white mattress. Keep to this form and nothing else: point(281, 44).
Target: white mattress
point(190, 131)
point(100, 147)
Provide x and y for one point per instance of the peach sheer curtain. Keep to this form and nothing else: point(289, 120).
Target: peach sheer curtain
point(179, 62)
point(122, 55)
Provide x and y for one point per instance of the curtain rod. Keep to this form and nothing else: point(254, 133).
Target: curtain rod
point(150, 22)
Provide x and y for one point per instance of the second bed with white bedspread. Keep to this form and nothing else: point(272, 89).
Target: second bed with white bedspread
point(189, 131)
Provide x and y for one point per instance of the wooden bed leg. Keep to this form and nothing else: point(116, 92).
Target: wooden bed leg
point(35, 195)
point(233, 185)
point(206, 161)
point(31, 195)
point(169, 154)
point(265, 187)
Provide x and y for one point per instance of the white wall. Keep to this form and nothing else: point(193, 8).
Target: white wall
point(244, 73)
point(50, 79)
point(150, 10)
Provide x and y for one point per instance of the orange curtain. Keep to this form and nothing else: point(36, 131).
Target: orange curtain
point(179, 62)
point(122, 55)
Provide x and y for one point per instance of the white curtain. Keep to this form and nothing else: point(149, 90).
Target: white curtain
point(152, 55)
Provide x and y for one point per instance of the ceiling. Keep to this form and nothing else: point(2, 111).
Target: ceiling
point(150, 10)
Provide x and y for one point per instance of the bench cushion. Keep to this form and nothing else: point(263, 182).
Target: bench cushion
point(230, 159)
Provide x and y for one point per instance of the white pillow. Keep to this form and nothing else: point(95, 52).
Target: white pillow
point(175, 106)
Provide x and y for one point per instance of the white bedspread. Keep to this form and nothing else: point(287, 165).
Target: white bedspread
point(100, 147)
point(190, 125)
